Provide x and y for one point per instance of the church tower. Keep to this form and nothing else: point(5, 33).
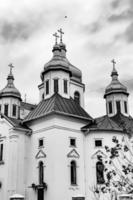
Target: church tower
point(116, 96)
point(60, 76)
point(10, 98)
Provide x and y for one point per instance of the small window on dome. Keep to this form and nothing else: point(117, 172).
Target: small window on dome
point(56, 87)
point(77, 97)
point(118, 106)
point(110, 107)
point(125, 106)
point(6, 109)
point(47, 87)
point(65, 86)
point(14, 109)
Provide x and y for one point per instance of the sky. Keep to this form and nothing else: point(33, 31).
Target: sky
point(96, 31)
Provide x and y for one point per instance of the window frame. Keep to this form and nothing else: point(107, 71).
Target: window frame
point(73, 172)
point(47, 86)
point(6, 109)
point(56, 85)
point(100, 182)
point(118, 110)
point(14, 112)
point(41, 172)
point(77, 97)
point(98, 139)
point(65, 84)
point(1, 152)
point(110, 107)
point(125, 107)
point(70, 139)
point(40, 139)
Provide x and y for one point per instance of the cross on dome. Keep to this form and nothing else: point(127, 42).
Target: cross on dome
point(114, 62)
point(11, 67)
point(61, 33)
point(56, 37)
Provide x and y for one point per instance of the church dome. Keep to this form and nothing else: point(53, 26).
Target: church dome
point(10, 90)
point(59, 61)
point(115, 86)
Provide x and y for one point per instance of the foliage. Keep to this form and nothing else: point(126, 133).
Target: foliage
point(118, 168)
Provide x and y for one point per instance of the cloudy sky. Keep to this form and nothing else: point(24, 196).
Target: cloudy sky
point(95, 32)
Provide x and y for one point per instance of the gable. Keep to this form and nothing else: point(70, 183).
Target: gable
point(73, 154)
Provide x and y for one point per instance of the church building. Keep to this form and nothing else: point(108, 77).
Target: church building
point(49, 150)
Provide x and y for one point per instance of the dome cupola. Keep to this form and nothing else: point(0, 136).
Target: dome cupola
point(60, 76)
point(116, 95)
point(60, 62)
point(115, 86)
point(10, 90)
point(10, 98)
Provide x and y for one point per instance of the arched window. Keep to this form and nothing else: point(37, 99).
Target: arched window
point(100, 172)
point(41, 173)
point(77, 97)
point(73, 173)
point(42, 96)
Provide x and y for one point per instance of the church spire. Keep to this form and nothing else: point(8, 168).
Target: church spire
point(114, 73)
point(10, 77)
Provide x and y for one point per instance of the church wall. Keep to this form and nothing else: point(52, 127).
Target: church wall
point(4, 138)
point(56, 133)
point(91, 153)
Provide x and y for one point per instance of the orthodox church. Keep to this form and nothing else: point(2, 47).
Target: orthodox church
point(49, 150)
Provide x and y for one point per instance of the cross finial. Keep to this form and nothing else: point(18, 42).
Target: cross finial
point(61, 33)
point(11, 66)
point(56, 37)
point(114, 62)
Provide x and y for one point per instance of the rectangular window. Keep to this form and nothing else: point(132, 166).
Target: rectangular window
point(118, 106)
point(40, 144)
point(47, 87)
point(14, 110)
point(6, 109)
point(110, 107)
point(125, 106)
point(1, 152)
point(56, 86)
point(73, 142)
point(65, 86)
point(98, 143)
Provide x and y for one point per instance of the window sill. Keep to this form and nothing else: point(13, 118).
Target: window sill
point(2, 162)
point(73, 185)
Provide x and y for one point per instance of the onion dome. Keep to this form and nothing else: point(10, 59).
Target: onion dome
point(115, 86)
point(60, 62)
point(10, 90)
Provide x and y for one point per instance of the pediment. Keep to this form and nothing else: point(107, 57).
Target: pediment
point(73, 154)
point(40, 154)
point(99, 153)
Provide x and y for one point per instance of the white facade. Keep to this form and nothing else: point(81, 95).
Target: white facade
point(54, 140)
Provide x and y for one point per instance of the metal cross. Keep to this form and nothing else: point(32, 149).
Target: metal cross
point(113, 61)
point(11, 66)
point(61, 33)
point(56, 37)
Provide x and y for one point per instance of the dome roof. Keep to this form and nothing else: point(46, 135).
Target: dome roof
point(115, 86)
point(59, 61)
point(10, 90)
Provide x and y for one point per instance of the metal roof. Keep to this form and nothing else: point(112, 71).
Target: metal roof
point(59, 105)
point(119, 122)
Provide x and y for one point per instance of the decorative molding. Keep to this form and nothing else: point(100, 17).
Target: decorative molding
point(40, 154)
point(98, 153)
point(73, 154)
point(57, 127)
